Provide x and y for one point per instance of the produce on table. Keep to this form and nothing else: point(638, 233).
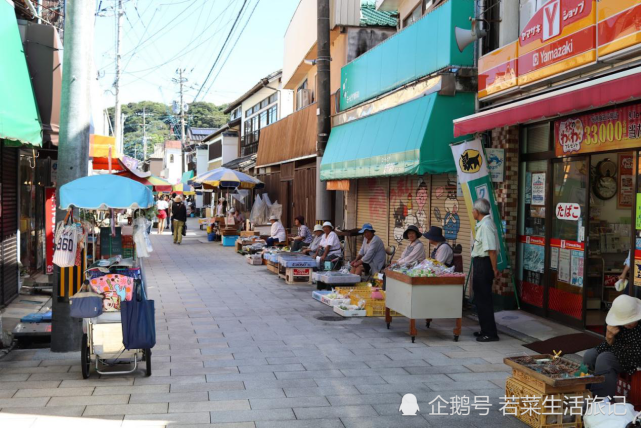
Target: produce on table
point(427, 268)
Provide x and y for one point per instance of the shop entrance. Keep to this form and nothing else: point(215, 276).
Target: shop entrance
point(576, 233)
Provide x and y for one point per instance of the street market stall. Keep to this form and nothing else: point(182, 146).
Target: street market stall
point(427, 291)
point(117, 324)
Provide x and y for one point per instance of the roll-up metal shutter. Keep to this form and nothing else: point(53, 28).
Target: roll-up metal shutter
point(373, 206)
point(8, 224)
point(450, 213)
point(409, 205)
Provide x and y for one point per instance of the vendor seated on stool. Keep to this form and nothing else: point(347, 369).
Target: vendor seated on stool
point(304, 237)
point(621, 351)
point(277, 233)
point(318, 235)
point(371, 257)
point(329, 247)
point(442, 250)
point(415, 251)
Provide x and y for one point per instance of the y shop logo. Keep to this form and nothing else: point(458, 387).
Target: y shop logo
point(470, 161)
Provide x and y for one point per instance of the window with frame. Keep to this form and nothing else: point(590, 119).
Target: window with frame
point(414, 16)
point(272, 114)
point(171, 158)
point(273, 98)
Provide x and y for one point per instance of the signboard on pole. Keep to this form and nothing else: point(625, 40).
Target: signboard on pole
point(50, 226)
point(471, 165)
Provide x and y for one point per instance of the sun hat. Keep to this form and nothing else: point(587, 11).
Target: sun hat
point(625, 310)
point(435, 234)
point(318, 228)
point(232, 210)
point(414, 229)
point(273, 217)
point(367, 226)
point(328, 224)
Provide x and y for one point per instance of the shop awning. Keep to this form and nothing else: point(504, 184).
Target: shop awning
point(600, 92)
point(18, 112)
point(412, 138)
point(188, 175)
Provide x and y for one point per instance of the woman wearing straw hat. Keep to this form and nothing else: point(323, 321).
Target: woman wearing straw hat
point(442, 250)
point(415, 251)
point(621, 351)
point(277, 233)
point(313, 247)
point(330, 246)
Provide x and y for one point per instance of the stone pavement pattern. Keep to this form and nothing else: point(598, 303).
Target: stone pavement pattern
point(238, 348)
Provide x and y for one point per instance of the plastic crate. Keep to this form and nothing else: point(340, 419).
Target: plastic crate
point(128, 253)
point(229, 241)
point(347, 290)
point(127, 241)
point(374, 307)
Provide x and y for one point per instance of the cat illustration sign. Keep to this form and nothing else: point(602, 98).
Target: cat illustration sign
point(470, 161)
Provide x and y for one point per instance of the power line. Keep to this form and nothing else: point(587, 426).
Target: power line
point(232, 48)
point(221, 49)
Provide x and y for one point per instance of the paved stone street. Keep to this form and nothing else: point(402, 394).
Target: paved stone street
point(238, 348)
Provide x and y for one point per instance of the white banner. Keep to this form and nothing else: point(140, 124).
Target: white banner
point(470, 161)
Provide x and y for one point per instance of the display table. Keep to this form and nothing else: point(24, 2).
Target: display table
point(424, 298)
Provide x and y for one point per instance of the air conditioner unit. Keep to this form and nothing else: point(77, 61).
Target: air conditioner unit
point(303, 98)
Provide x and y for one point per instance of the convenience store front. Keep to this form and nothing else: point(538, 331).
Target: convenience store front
point(578, 177)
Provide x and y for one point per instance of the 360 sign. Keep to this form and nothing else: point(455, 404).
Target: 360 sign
point(617, 128)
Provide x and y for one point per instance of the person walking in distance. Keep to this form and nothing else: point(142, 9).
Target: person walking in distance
point(162, 206)
point(484, 263)
point(179, 216)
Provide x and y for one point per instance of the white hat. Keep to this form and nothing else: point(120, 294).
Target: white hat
point(273, 217)
point(232, 210)
point(318, 228)
point(625, 310)
point(328, 224)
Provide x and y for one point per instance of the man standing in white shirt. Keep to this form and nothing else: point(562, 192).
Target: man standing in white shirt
point(277, 233)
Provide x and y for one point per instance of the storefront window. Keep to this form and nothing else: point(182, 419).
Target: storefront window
point(536, 139)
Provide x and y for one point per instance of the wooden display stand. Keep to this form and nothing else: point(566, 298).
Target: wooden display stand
point(272, 268)
point(298, 276)
point(246, 233)
point(526, 382)
point(424, 298)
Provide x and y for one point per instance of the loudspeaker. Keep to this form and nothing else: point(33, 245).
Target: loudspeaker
point(466, 37)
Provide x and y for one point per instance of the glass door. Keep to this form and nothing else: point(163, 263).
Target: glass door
point(567, 239)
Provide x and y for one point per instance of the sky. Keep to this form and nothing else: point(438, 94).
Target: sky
point(161, 36)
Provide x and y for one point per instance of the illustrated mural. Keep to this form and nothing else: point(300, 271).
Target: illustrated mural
point(421, 199)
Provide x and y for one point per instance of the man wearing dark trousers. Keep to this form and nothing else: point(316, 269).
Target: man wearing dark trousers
point(484, 257)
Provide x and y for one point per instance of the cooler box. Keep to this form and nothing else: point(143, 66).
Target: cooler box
point(229, 241)
point(339, 278)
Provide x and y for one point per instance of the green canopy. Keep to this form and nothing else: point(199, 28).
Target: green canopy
point(18, 112)
point(409, 139)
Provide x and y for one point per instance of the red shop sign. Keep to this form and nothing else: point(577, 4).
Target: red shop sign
point(568, 211)
point(50, 225)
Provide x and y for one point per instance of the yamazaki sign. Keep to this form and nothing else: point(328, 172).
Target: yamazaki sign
point(561, 36)
point(616, 128)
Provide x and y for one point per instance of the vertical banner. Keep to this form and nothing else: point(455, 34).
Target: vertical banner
point(50, 226)
point(471, 166)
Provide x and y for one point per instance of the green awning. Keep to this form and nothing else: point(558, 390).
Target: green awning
point(187, 175)
point(409, 139)
point(19, 120)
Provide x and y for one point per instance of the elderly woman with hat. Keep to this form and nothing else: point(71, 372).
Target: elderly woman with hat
point(277, 233)
point(330, 246)
point(621, 351)
point(318, 234)
point(371, 257)
point(415, 251)
point(442, 250)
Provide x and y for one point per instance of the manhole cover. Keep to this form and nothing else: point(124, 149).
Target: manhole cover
point(330, 318)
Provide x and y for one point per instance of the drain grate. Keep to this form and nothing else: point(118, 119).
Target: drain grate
point(330, 318)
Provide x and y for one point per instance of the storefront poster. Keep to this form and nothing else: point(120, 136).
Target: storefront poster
point(496, 164)
point(613, 129)
point(626, 180)
point(533, 257)
point(538, 188)
point(554, 258)
point(576, 267)
point(564, 265)
point(50, 226)
point(471, 166)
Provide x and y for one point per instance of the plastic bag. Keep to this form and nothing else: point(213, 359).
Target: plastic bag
point(608, 415)
point(276, 210)
point(141, 238)
point(258, 211)
point(267, 208)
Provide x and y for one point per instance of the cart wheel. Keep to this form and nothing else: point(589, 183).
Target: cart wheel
point(147, 355)
point(85, 357)
point(388, 324)
point(455, 338)
point(413, 339)
point(427, 324)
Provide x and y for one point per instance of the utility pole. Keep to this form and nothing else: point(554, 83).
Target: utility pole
point(181, 81)
point(144, 135)
point(73, 150)
point(323, 203)
point(118, 125)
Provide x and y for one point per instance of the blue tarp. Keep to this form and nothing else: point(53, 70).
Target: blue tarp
point(100, 192)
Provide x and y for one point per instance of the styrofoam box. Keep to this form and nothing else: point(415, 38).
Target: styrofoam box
point(316, 277)
point(335, 302)
point(352, 311)
point(318, 295)
point(339, 278)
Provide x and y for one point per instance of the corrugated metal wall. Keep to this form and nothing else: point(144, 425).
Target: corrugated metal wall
point(305, 194)
point(9, 224)
point(373, 206)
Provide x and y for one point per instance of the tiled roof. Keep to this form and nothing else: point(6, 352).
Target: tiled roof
point(199, 134)
point(370, 17)
point(172, 144)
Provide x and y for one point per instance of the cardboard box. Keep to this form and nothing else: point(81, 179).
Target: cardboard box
point(298, 276)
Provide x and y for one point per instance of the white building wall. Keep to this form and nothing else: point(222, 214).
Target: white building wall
point(230, 149)
point(174, 170)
